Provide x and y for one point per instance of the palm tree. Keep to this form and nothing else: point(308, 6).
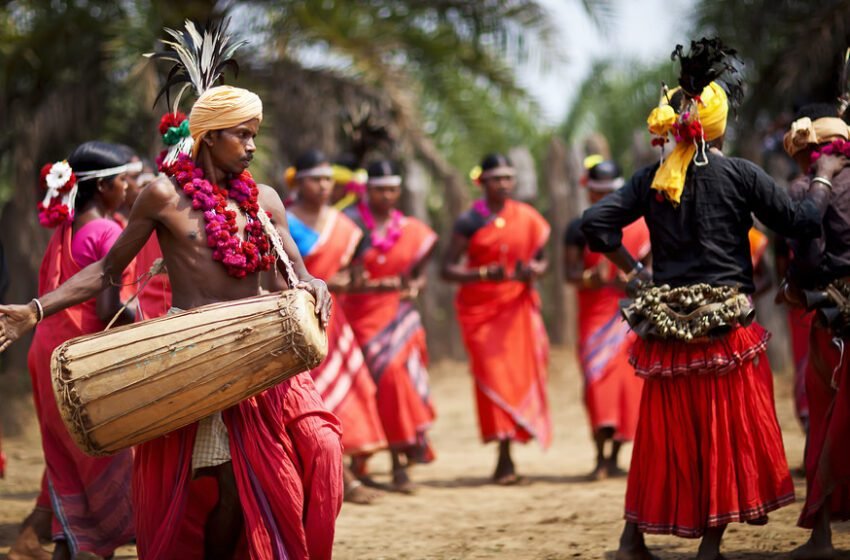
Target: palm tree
point(793, 51)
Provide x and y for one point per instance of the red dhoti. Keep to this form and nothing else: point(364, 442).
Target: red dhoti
point(287, 460)
point(708, 449)
point(827, 452)
point(800, 325)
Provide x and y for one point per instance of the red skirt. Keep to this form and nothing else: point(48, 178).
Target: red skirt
point(827, 452)
point(708, 449)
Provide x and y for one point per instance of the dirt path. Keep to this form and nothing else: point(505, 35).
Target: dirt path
point(458, 515)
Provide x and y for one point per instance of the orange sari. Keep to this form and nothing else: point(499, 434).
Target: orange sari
point(343, 379)
point(611, 390)
point(389, 329)
point(503, 330)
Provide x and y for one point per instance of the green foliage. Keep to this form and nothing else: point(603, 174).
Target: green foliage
point(615, 100)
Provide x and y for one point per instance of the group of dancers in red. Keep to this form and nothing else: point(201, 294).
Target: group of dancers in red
point(697, 401)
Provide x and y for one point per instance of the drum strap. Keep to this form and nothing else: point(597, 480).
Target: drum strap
point(274, 236)
point(158, 267)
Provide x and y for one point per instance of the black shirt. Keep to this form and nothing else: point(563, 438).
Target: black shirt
point(820, 261)
point(469, 222)
point(704, 239)
point(573, 236)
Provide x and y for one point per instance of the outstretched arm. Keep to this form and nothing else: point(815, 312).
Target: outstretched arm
point(16, 320)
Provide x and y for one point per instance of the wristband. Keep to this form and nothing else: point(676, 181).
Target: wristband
point(635, 271)
point(823, 181)
point(39, 310)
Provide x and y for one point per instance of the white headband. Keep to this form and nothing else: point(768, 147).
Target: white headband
point(318, 171)
point(135, 167)
point(605, 185)
point(502, 171)
point(388, 181)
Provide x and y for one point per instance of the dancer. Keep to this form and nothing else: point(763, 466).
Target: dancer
point(327, 239)
point(499, 312)
point(90, 496)
point(387, 274)
point(708, 449)
point(823, 265)
point(276, 457)
point(611, 388)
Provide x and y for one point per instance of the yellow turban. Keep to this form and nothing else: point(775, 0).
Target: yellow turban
point(711, 110)
point(222, 107)
point(805, 133)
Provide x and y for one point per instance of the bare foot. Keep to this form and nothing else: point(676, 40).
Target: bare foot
point(811, 551)
point(27, 546)
point(402, 483)
point(614, 471)
point(357, 493)
point(599, 473)
point(639, 553)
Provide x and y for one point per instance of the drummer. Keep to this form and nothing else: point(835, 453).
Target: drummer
point(279, 485)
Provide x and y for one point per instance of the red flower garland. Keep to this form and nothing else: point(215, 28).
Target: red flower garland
point(56, 212)
point(169, 120)
point(239, 257)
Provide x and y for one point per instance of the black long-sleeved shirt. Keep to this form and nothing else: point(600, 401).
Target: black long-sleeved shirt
point(819, 261)
point(704, 238)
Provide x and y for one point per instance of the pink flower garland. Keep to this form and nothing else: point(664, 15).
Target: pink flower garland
point(393, 231)
point(481, 207)
point(839, 147)
point(239, 257)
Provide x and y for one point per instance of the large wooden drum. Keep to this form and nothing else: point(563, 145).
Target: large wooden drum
point(125, 386)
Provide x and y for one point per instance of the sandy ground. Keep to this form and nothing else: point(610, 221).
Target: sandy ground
point(458, 515)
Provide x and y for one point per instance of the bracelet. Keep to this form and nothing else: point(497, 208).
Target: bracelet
point(635, 271)
point(483, 272)
point(823, 181)
point(39, 310)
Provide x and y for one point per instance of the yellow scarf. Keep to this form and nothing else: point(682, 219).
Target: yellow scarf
point(711, 110)
point(222, 107)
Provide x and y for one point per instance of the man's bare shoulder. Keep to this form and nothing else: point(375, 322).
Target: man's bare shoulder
point(158, 194)
point(269, 198)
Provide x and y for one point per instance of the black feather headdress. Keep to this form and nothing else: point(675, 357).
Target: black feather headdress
point(200, 58)
point(843, 86)
point(706, 61)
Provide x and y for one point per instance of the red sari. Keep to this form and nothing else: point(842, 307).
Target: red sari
point(343, 379)
point(827, 455)
point(708, 449)
point(389, 329)
point(611, 388)
point(503, 330)
point(90, 496)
